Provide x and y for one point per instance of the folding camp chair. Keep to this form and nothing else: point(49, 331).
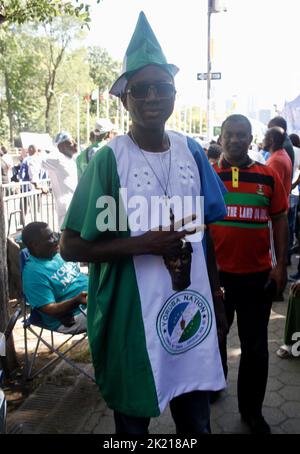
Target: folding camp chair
point(32, 322)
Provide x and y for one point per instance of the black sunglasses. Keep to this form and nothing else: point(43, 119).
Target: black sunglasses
point(162, 90)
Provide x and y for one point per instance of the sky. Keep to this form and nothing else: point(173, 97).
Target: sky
point(255, 46)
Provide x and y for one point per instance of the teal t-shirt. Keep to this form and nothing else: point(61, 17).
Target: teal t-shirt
point(47, 281)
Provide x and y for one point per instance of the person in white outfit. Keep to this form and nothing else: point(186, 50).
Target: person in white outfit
point(62, 171)
point(255, 154)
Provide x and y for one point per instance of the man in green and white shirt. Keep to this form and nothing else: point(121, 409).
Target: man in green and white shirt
point(150, 345)
point(98, 139)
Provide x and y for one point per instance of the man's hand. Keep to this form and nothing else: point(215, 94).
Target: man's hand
point(81, 298)
point(164, 243)
point(168, 242)
point(279, 275)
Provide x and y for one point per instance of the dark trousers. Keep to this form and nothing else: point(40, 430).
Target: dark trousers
point(245, 296)
point(190, 412)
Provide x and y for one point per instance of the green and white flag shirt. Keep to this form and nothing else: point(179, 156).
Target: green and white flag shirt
point(149, 343)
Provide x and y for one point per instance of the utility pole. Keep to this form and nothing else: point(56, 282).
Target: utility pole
point(77, 97)
point(107, 102)
point(97, 103)
point(213, 6)
point(88, 121)
point(60, 109)
point(59, 100)
point(209, 11)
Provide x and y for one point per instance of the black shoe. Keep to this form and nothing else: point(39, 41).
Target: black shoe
point(257, 424)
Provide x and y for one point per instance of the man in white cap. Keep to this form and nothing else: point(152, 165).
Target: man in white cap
point(98, 138)
point(62, 171)
point(150, 345)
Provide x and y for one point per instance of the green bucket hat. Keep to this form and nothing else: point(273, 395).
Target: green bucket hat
point(143, 50)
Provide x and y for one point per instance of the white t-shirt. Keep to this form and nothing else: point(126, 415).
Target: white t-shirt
point(296, 169)
point(62, 172)
point(34, 163)
point(256, 155)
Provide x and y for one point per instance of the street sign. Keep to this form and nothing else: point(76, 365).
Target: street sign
point(213, 76)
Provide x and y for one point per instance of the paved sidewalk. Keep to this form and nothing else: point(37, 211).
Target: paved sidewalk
point(70, 403)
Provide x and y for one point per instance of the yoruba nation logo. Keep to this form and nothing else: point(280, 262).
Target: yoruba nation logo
point(184, 321)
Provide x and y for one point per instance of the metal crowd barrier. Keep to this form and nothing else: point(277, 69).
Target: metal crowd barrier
point(23, 204)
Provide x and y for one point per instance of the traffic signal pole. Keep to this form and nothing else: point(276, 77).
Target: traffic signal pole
point(208, 101)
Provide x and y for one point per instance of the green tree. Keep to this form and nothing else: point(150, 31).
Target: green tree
point(104, 70)
point(54, 40)
point(21, 11)
point(30, 57)
point(74, 81)
point(16, 12)
point(17, 69)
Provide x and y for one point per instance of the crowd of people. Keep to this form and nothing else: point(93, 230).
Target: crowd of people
point(161, 300)
point(62, 164)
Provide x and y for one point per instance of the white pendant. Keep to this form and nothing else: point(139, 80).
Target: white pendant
point(166, 199)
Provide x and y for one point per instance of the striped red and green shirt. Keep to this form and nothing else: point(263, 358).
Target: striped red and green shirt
point(242, 238)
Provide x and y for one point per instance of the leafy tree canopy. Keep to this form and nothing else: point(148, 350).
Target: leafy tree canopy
point(20, 11)
point(104, 70)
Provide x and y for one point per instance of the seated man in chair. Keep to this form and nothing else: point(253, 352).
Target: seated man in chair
point(53, 287)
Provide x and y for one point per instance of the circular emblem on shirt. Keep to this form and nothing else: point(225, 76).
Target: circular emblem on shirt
point(184, 321)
